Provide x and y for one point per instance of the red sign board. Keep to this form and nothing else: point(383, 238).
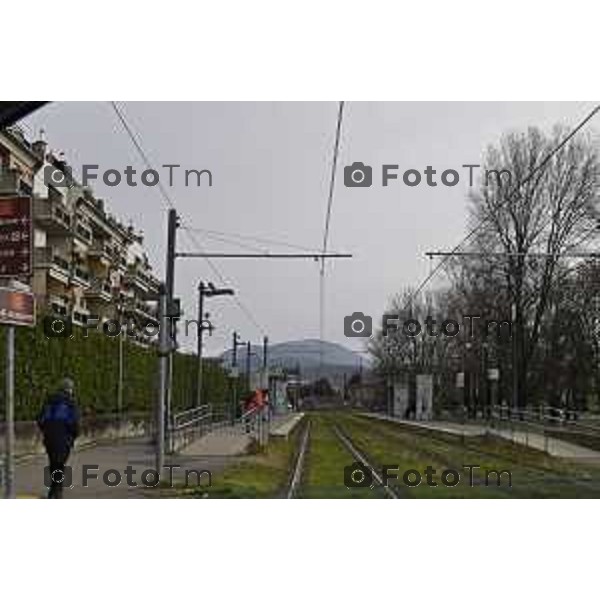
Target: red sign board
point(16, 243)
point(16, 307)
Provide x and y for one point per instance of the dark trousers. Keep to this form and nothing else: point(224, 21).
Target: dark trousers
point(57, 458)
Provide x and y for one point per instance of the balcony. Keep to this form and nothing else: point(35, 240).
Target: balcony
point(9, 182)
point(80, 315)
point(101, 251)
point(142, 310)
point(102, 256)
point(141, 277)
point(58, 267)
point(99, 290)
point(52, 216)
point(80, 276)
point(58, 304)
point(83, 233)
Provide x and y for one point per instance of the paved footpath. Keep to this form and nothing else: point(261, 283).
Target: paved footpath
point(235, 440)
point(466, 429)
point(137, 453)
point(552, 446)
point(213, 452)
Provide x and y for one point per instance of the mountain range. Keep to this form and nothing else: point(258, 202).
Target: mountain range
point(304, 355)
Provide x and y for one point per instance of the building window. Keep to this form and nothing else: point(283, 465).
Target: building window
point(59, 309)
point(79, 317)
point(25, 189)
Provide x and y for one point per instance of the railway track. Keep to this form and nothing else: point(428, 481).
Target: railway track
point(325, 448)
point(298, 463)
point(361, 457)
point(297, 484)
point(536, 476)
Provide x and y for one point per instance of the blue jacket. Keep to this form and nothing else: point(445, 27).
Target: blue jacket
point(59, 421)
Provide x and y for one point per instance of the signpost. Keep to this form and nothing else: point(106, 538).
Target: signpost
point(16, 243)
point(17, 306)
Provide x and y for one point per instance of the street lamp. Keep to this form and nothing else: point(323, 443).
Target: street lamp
point(234, 374)
point(249, 353)
point(120, 308)
point(205, 291)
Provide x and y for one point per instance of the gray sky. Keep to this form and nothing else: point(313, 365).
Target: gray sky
point(271, 165)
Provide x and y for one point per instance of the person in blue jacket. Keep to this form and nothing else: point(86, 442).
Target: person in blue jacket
point(59, 423)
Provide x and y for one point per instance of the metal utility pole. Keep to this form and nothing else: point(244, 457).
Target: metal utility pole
point(173, 223)
point(163, 354)
point(248, 353)
point(122, 334)
point(516, 358)
point(265, 350)
point(170, 323)
point(234, 372)
point(207, 291)
point(9, 468)
point(201, 291)
point(265, 361)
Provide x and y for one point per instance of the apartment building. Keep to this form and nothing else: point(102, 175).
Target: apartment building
point(86, 263)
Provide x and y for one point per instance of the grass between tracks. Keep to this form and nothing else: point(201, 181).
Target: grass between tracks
point(261, 474)
point(325, 462)
point(266, 473)
point(534, 474)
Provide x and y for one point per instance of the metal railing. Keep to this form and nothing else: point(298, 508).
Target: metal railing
point(191, 417)
point(578, 427)
point(187, 426)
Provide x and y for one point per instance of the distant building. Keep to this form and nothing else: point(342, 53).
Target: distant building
point(86, 263)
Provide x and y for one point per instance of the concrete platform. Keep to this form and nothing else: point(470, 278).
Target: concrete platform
point(225, 441)
point(286, 427)
point(235, 440)
point(552, 446)
point(468, 429)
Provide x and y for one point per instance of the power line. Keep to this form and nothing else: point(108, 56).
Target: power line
point(332, 180)
point(224, 235)
point(232, 241)
point(313, 255)
point(138, 146)
point(336, 148)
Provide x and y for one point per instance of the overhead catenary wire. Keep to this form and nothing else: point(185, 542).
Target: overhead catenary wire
point(261, 240)
point(170, 204)
point(336, 148)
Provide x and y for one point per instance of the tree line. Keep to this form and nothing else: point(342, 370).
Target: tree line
point(528, 259)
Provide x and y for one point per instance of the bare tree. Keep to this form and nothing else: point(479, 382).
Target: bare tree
point(529, 224)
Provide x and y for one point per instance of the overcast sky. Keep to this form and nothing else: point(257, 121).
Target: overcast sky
point(271, 165)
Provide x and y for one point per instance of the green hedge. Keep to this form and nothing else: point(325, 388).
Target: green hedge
point(92, 362)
